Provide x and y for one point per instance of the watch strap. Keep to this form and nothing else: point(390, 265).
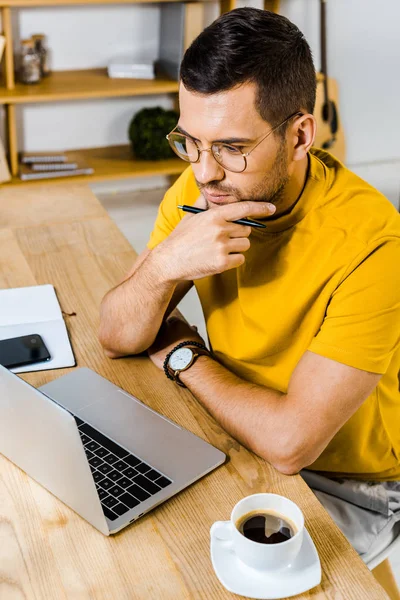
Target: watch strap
point(202, 349)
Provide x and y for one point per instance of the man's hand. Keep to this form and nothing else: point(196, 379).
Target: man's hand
point(173, 331)
point(209, 242)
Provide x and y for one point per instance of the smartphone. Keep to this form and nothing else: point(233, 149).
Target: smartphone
point(25, 350)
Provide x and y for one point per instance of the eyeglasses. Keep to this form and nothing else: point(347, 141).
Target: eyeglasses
point(229, 157)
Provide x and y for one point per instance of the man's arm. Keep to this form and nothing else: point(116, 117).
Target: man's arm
point(131, 313)
point(288, 430)
point(199, 246)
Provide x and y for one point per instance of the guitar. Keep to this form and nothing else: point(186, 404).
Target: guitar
point(330, 135)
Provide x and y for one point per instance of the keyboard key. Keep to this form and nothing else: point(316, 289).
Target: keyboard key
point(153, 474)
point(102, 493)
point(106, 484)
point(115, 490)
point(109, 501)
point(128, 500)
point(89, 455)
point(97, 476)
point(120, 509)
point(92, 446)
point(120, 465)
point(101, 452)
point(129, 472)
point(124, 482)
point(95, 462)
point(163, 482)
point(105, 468)
point(114, 475)
point(111, 459)
point(109, 514)
point(143, 467)
point(146, 484)
point(78, 420)
point(85, 439)
point(132, 460)
point(103, 440)
point(138, 492)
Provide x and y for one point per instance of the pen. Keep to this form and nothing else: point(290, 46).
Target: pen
point(195, 210)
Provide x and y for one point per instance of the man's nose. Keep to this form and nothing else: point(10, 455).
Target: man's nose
point(207, 169)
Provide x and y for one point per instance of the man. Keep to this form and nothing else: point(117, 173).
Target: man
point(302, 315)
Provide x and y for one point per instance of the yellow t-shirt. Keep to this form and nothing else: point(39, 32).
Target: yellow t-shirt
point(324, 278)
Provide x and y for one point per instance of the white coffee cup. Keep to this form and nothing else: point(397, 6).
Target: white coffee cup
point(265, 557)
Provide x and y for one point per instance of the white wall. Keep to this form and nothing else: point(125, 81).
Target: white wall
point(364, 56)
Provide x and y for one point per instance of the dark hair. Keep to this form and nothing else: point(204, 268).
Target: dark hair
point(253, 45)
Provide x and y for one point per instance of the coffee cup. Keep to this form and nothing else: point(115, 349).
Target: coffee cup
point(265, 531)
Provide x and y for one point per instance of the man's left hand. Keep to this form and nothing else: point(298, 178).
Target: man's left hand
point(173, 331)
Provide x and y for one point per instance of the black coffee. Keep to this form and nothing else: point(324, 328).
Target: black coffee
point(266, 527)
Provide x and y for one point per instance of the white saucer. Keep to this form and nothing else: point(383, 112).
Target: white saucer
point(236, 577)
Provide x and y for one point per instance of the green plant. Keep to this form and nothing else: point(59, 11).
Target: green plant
point(147, 132)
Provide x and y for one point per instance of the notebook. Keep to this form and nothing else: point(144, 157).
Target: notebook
point(36, 310)
point(27, 173)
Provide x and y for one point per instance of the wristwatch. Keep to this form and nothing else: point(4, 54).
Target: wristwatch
point(181, 358)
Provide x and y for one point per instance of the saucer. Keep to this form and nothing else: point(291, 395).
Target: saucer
point(302, 575)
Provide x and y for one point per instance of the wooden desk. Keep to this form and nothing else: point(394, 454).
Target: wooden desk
point(62, 235)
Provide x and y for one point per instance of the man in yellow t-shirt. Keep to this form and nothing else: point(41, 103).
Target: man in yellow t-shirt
point(303, 314)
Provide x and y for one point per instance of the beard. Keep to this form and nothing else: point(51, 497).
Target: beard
point(270, 189)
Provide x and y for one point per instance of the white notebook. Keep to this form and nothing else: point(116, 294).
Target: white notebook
point(36, 310)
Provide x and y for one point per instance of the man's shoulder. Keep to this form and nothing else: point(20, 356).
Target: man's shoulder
point(184, 190)
point(356, 206)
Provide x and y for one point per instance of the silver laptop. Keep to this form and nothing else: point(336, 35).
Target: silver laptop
point(97, 448)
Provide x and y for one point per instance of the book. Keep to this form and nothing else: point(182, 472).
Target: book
point(27, 173)
point(35, 309)
point(54, 166)
point(43, 157)
point(127, 68)
point(2, 45)
point(5, 174)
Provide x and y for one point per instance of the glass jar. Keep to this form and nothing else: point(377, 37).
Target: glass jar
point(39, 40)
point(30, 71)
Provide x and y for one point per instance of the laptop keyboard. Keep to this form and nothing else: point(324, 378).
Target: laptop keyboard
point(122, 479)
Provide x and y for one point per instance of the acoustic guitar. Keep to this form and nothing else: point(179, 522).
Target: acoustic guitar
point(330, 135)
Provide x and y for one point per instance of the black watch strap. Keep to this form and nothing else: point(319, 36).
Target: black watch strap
point(181, 345)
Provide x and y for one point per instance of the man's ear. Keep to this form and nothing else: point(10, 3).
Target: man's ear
point(303, 134)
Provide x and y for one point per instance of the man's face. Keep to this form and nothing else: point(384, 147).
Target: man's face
point(226, 116)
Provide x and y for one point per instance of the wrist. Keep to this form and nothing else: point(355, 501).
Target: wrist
point(196, 370)
point(162, 263)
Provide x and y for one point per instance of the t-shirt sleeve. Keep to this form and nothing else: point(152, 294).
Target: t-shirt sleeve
point(362, 322)
point(182, 192)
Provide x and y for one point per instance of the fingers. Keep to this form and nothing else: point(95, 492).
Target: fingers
point(238, 245)
point(246, 208)
point(238, 231)
point(234, 261)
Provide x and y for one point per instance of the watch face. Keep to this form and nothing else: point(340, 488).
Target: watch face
point(180, 359)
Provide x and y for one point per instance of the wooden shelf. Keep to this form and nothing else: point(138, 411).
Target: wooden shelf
point(112, 162)
point(32, 3)
point(87, 83)
point(61, 86)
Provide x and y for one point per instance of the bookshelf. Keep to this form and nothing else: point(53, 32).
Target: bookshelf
point(111, 162)
point(114, 162)
point(84, 84)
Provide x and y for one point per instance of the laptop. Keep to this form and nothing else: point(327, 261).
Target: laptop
point(97, 448)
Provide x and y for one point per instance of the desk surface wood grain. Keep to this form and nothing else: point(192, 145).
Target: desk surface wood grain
point(63, 236)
